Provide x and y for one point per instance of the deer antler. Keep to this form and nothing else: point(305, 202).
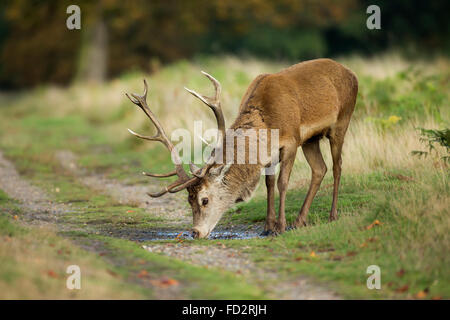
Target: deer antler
point(214, 104)
point(183, 180)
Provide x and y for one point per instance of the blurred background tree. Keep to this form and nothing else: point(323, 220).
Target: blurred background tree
point(119, 36)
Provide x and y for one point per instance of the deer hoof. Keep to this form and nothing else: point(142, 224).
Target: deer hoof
point(333, 216)
point(267, 233)
point(279, 228)
point(299, 223)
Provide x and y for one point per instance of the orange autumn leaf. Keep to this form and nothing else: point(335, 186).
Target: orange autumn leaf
point(130, 211)
point(170, 282)
point(177, 238)
point(363, 245)
point(312, 254)
point(420, 295)
point(16, 217)
point(52, 274)
point(373, 224)
point(402, 289)
point(142, 274)
point(164, 283)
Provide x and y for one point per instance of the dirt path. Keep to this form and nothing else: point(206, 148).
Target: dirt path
point(37, 206)
point(169, 207)
point(40, 209)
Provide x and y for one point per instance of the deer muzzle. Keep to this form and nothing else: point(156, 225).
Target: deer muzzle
point(199, 233)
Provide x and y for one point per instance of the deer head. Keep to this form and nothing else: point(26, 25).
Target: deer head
point(209, 197)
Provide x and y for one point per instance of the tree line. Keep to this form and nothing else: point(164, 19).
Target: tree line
point(117, 36)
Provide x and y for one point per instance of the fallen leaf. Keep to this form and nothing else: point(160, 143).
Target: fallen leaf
point(142, 274)
point(312, 254)
point(16, 217)
point(57, 190)
point(351, 253)
point(420, 295)
point(130, 211)
point(363, 245)
point(178, 235)
point(52, 274)
point(373, 224)
point(402, 289)
point(114, 274)
point(436, 298)
point(299, 259)
point(336, 258)
point(373, 239)
point(400, 273)
point(164, 283)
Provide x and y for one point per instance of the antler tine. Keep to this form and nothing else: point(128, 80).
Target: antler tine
point(160, 175)
point(183, 178)
point(214, 104)
point(216, 84)
point(141, 102)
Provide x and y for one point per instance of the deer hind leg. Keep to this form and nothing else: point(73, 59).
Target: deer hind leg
point(336, 142)
point(312, 153)
point(287, 161)
point(271, 216)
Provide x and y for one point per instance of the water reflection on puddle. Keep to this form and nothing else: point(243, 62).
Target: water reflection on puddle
point(170, 235)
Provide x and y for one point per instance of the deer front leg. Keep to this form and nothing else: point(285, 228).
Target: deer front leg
point(271, 216)
point(287, 161)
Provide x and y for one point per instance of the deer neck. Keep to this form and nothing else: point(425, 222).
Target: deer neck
point(242, 180)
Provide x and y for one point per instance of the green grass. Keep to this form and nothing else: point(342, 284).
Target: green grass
point(413, 236)
point(34, 262)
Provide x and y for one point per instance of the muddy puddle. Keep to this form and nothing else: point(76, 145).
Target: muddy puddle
point(167, 235)
point(154, 235)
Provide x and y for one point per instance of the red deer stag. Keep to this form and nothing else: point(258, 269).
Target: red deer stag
point(305, 102)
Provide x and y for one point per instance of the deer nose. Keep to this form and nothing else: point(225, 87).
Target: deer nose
point(195, 233)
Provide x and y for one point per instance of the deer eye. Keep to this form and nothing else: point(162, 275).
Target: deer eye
point(204, 201)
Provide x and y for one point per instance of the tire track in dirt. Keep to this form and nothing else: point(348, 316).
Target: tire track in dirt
point(170, 207)
point(38, 209)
